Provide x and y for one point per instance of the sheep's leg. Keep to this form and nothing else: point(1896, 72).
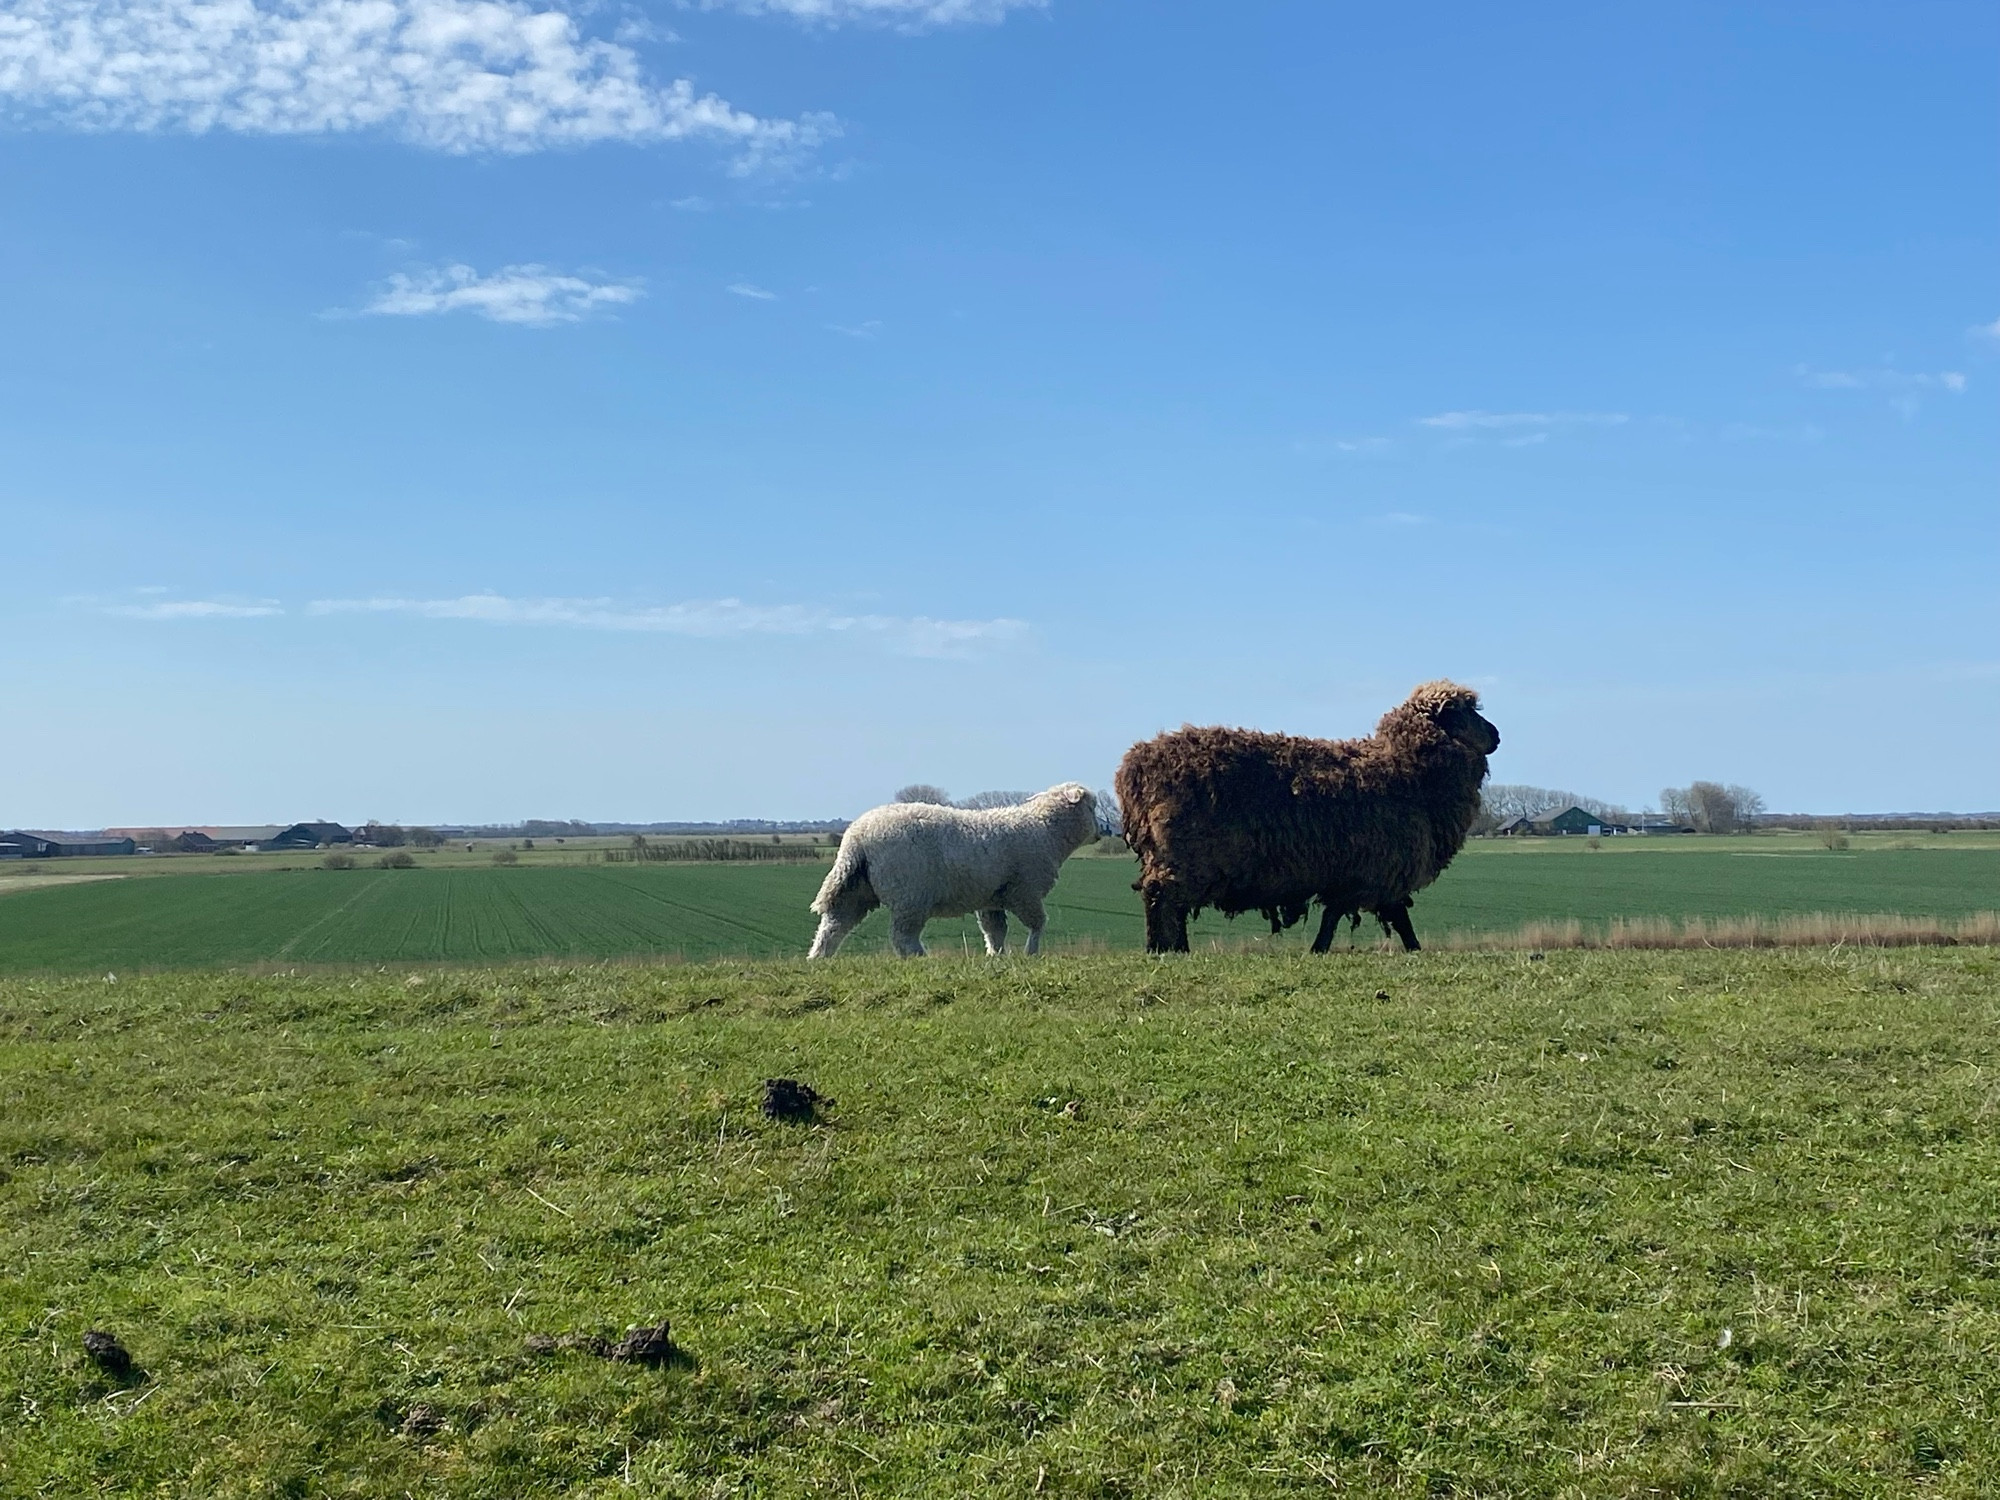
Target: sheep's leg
point(1166, 924)
point(1398, 917)
point(906, 934)
point(1029, 910)
point(993, 927)
point(1329, 924)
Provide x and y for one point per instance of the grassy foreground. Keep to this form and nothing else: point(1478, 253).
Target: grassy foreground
point(1604, 1224)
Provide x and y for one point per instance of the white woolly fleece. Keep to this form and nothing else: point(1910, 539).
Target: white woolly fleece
point(923, 861)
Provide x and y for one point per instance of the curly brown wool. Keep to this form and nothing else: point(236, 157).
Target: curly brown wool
point(1246, 821)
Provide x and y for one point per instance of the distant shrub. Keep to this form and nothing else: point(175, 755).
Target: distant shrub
point(527, 843)
point(232, 849)
point(1832, 835)
point(505, 857)
point(426, 838)
point(337, 862)
point(402, 859)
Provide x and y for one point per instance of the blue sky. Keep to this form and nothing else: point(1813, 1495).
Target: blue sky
point(432, 409)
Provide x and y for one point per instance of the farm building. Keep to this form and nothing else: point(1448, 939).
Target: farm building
point(309, 836)
point(26, 845)
point(1566, 820)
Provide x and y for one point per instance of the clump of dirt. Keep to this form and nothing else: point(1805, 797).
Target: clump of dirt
point(110, 1356)
point(788, 1099)
point(644, 1345)
point(422, 1420)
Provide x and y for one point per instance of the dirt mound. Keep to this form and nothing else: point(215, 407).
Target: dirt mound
point(788, 1099)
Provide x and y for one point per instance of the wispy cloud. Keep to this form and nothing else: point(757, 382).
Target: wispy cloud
point(528, 294)
point(1750, 432)
point(195, 609)
point(1987, 330)
point(1466, 421)
point(867, 330)
point(1899, 381)
point(904, 14)
point(450, 75)
point(914, 635)
point(754, 293)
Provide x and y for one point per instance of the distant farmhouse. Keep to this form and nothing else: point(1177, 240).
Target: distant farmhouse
point(309, 836)
point(1575, 820)
point(35, 844)
point(23, 844)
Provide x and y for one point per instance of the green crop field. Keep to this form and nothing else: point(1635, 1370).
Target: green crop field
point(1609, 1224)
point(574, 910)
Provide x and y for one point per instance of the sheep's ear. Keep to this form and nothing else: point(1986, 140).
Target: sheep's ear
point(1073, 794)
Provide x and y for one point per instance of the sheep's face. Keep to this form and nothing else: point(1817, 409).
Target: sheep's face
point(1468, 726)
point(1077, 800)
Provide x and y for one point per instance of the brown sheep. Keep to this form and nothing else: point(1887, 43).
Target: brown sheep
point(1245, 821)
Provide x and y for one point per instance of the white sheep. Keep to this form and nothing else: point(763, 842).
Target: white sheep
point(921, 861)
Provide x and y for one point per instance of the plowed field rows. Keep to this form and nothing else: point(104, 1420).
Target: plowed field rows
point(708, 911)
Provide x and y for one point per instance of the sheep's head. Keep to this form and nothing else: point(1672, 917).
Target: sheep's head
point(1075, 808)
point(1443, 711)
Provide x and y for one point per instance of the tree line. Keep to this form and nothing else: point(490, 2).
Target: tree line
point(1704, 806)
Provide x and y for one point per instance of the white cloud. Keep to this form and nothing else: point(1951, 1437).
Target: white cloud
point(1462, 421)
point(692, 205)
point(1880, 380)
point(194, 609)
point(755, 293)
point(906, 14)
point(867, 330)
point(452, 75)
point(914, 635)
point(513, 294)
point(1525, 440)
point(1988, 330)
point(1741, 432)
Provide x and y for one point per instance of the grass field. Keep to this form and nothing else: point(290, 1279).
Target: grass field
point(466, 912)
point(1606, 1224)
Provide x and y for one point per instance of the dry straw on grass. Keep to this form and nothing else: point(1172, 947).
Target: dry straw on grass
point(1807, 930)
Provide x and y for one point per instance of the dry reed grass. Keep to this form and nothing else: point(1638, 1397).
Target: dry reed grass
point(1805, 930)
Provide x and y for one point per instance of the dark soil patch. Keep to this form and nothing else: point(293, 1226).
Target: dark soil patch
point(110, 1356)
point(643, 1344)
point(788, 1099)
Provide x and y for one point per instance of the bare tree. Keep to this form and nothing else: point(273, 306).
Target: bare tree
point(921, 791)
point(1749, 805)
point(1110, 816)
point(1711, 807)
point(1503, 800)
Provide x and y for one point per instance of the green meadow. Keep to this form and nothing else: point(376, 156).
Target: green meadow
point(561, 906)
point(1710, 1223)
